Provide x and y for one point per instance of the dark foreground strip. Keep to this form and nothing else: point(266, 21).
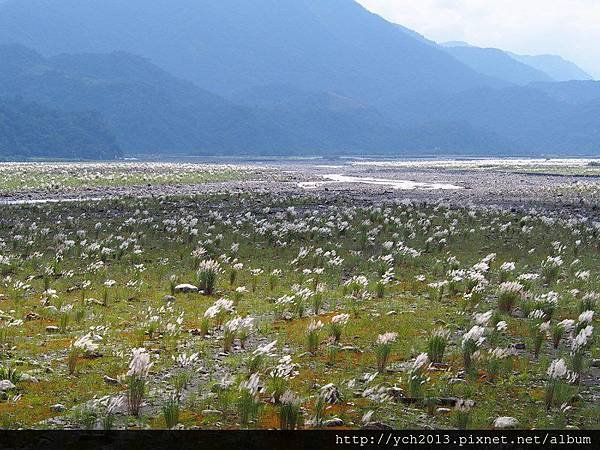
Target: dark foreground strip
point(288, 440)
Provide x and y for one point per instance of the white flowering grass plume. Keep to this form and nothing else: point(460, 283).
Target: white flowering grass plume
point(337, 325)
point(207, 275)
point(312, 336)
point(589, 302)
point(436, 345)
point(356, 285)
point(248, 402)
point(280, 375)
point(547, 302)
point(560, 330)
point(556, 385)
point(383, 349)
point(256, 273)
point(506, 270)
point(417, 375)
point(219, 310)
point(471, 341)
point(290, 414)
point(580, 343)
point(509, 293)
point(539, 328)
point(551, 268)
point(172, 284)
point(139, 366)
point(494, 362)
point(113, 405)
point(317, 300)
point(585, 319)
point(230, 330)
point(437, 289)
point(238, 294)
point(84, 345)
point(381, 284)
point(184, 364)
point(259, 356)
point(233, 273)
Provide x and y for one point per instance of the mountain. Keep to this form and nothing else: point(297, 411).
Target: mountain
point(572, 92)
point(152, 112)
point(30, 130)
point(496, 63)
point(450, 44)
point(147, 109)
point(282, 77)
point(517, 69)
point(556, 67)
point(230, 45)
point(534, 122)
point(285, 97)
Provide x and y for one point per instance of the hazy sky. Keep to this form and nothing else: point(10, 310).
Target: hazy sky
point(570, 28)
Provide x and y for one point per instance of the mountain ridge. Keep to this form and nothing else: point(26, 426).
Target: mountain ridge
point(519, 69)
point(317, 45)
point(281, 77)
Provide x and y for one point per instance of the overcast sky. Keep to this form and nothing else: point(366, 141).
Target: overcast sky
point(570, 28)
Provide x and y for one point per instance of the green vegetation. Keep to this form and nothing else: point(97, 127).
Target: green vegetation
point(30, 130)
point(58, 177)
point(98, 313)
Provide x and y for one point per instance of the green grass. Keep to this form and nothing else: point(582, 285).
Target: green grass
point(152, 239)
point(55, 177)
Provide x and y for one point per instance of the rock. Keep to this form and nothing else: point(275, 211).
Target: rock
point(396, 393)
point(53, 309)
point(51, 329)
point(595, 362)
point(109, 380)
point(6, 385)
point(212, 412)
point(376, 426)
point(519, 346)
point(186, 288)
point(335, 422)
point(506, 422)
point(350, 348)
point(456, 381)
point(195, 332)
point(169, 298)
point(32, 316)
point(447, 401)
point(331, 394)
point(391, 313)
point(443, 410)
point(29, 378)
point(517, 313)
point(58, 407)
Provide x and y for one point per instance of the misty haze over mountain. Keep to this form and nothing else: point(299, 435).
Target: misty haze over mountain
point(272, 77)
